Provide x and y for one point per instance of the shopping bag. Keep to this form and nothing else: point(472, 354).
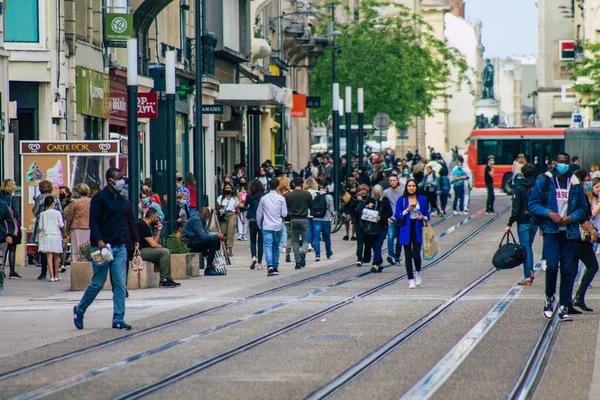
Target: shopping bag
point(429, 245)
point(509, 255)
point(220, 263)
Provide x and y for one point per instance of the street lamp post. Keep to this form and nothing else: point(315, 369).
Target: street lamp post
point(349, 144)
point(171, 140)
point(133, 150)
point(199, 130)
point(361, 127)
point(336, 144)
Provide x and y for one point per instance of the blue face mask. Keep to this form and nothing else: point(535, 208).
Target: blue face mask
point(405, 173)
point(562, 168)
point(146, 201)
point(589, 186)
point(183, 202)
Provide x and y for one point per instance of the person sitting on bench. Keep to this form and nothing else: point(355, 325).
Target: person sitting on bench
point(197, 237)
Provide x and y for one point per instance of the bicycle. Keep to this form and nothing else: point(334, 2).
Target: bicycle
point(337, 221)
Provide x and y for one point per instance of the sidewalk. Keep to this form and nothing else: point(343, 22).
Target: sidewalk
point(38, 313)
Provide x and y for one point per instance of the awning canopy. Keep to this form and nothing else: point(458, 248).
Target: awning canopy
point(254, 94)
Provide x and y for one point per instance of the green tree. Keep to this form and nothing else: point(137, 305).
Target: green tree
point(587, 71)
point(395, 58)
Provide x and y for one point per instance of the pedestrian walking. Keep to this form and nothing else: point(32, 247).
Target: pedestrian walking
point(412, 211)
point(558, 202)
point(16, 235)
point(269, 216)
point(443, 191)
point(489, 185)
point(227, 214)
point(350, 190)
point(256, 192)
point(283, 189)
point(361, 202)
point(77, 221)
point(45, 188)
point(375, 224)
point(298, 203)
point(242, 223)
point(520, 214)
point(322, 211)
point(310, 185)
point(431, 185)
point(458, 183)
point(585, 250)
point(393, 193)
point(107, 215)
point(7, 226)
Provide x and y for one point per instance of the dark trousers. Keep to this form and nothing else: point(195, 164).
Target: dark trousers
point(374, 243)
point(412, 252)
point(558, 250)
point(443, 202)
point(489, 205)
point(585, 253)
point(256, 246)
point(432, 200)
point(459, 198)
point(206, 247)
point(360, 246)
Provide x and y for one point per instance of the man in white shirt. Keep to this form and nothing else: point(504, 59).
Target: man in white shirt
point(269, 218)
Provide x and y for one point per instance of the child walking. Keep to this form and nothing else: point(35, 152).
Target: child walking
point(51, 236)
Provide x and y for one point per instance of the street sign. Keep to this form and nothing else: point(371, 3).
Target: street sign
point(313, 102)
point(381, 122)
point(118, 28)
point(576, 118)
point(212, 108)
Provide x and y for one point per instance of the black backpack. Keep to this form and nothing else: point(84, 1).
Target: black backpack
point(510, 254)
point(319, 209)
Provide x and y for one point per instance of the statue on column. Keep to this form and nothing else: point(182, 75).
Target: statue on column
point(488, 80)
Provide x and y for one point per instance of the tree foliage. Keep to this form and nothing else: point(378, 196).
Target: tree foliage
point(587, 72)
point(394, 56)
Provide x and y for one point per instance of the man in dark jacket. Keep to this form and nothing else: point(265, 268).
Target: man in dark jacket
point(7, 228)
point(526, 229)
point(298, 203)
point(558, 201)
point(200, 240)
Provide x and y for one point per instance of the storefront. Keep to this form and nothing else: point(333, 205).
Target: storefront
point(93, 102)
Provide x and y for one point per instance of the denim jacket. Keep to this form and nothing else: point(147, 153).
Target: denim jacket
point(543, 200)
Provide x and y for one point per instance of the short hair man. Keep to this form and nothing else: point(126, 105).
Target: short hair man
point(488, 176)
point(150, 248)
point(269, 217)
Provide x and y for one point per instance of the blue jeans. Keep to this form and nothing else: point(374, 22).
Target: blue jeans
point(559, 249)
point(526, 233)
point(393, 236)
point(325, 228)
point(118, 271)
point(459, 197)
point(271, 241)
point(310, 231)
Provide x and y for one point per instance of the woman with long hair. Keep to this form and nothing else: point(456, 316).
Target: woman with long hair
point(310, 185)
point(6, 194)
point(585, 251)
point(45, 188)
point(378, 208)
point(77, 221)
point(284, 187)
point(227, 213)
point(255, 192)
point(242, 223)
point(430, 186)
point(190, 185)
point(519, 163)
point(412, 211)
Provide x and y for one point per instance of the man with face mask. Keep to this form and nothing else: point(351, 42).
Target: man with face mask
point(489, 185)
point(197, 237)
point(107, 215)
point(393, 193)
point(558, 203)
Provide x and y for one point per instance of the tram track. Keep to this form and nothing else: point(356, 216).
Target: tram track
point(209, 311)
point(211, 361)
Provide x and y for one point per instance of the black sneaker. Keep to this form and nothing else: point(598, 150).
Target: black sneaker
point(563, 314)
point(359, 263)
point(121, 325)
point(77, 318)
point(302, 260)
point(63, 268)
point(573, 311)
point(270, 270)
point(298, 266)
point(173, 282)
point(549, 307)
point(288, 258)
point(391, 260)
point(41, 278)
point(353, 238)
point(167, 284)
point(14, 275)
point(275, 272)
point(346, 238)
point(212, 271)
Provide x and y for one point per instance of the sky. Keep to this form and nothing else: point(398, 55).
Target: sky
point(509, 26)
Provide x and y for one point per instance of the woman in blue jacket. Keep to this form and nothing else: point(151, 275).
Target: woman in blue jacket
point(411, 211)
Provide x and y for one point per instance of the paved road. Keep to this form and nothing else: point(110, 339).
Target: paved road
point(307, 333)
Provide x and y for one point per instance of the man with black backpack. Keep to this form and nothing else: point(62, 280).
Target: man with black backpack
point(298, 203)
point(526, 229)
point(321, 212)
point(558, 205)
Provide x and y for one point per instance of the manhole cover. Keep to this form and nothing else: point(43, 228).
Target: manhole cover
point(332, 337)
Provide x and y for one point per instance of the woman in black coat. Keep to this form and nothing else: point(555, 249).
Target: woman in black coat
point(375, 231)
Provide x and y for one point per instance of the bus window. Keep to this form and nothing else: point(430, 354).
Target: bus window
point(486, 148)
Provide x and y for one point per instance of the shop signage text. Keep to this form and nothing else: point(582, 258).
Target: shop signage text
point(70, 147)
point(117, 29)
point(299, 106)
point(147, 105)
point(212, 108)
point(93, 93)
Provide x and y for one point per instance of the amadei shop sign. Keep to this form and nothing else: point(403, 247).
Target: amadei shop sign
point(93, 93)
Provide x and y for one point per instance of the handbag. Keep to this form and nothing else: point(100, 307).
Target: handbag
point(369, 221)
point(584, 235)
point(509, 255)
point(369, 215)
point(429, 245)
point(137, 263)
point(219, 263)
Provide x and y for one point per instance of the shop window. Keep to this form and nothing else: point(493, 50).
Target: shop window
point(22, 22)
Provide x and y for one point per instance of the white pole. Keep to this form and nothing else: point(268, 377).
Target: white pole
point(348, 99)
point(170, 72)
point(132, 62)
point(361, 105)
point(336, 96)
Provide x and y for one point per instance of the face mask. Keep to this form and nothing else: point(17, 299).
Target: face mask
point(183, 202)
point(589, 186)
point(243, 183)
point(562, 168)
point(146, 201)
point(119, 185)
point(179, 179)
point(62, 196)
point(405, 173)
point(492, 162)
point(227, 191)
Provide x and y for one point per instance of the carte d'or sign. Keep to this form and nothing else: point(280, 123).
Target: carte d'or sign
point(70, 147)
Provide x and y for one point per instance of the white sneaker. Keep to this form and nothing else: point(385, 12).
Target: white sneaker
point(418, 278)
point(411, 284)
point(464, 213)
point(310, 248)
point(454, 212)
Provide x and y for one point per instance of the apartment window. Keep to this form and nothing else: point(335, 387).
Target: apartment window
point(22, 22)
point(231, 24)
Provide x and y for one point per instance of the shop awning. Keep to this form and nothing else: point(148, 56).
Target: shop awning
point(258, 94)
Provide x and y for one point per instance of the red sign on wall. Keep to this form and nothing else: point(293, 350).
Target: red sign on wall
point(148, 105)
point(299, 106)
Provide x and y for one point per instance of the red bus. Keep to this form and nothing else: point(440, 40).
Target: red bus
point(538, 145)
